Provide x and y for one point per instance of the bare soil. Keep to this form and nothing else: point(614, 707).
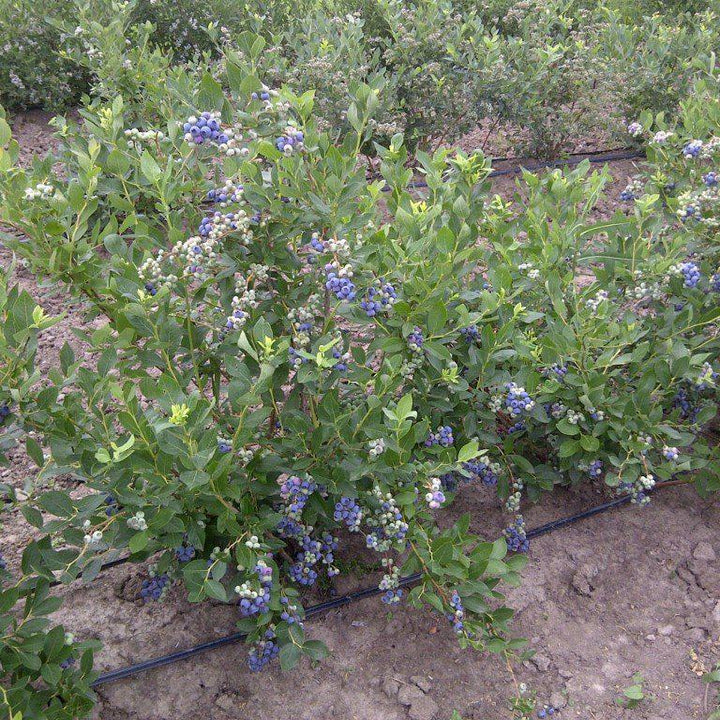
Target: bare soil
point(630, 591)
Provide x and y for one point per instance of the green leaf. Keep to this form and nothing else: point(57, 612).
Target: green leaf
point(315, 649)
point(149, 167)
point(590, 443)
point(138, 542)
point(34, 451)
point(289, 656)
point(5, 133)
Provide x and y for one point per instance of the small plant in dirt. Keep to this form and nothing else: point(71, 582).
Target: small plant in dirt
point(712, 679)
point(634, 694)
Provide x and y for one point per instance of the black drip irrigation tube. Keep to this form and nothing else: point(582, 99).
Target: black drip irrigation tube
point(322, 607)
point(607, 157)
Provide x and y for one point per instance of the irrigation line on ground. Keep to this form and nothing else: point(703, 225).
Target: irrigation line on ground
point(570, 162)
point(314, 610)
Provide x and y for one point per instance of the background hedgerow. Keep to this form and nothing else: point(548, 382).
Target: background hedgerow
point(547, 72)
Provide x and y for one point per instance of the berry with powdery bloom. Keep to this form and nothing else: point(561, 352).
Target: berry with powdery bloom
point(205, 128)
point(443, 436)
point(415, 340)
point(263, 652)
point(155, 588)
point(517, 401)
point(378, 298)
point(690, 273)
point(515, 536)
point(4, 411)
point(710, 179)
point(670, 453)
point(296, 491)
point(184, 553)
point(435, 497)
point(470, 333)
point(255, 598)
point(349, 512)
point(457, 615)
point(692, 149)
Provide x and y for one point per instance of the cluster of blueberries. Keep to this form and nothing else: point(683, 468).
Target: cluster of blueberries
point(547, 711)
point(470, 333)
point(517, 400)
point(342, 287)
point(691, 274)
point(595, 469)
point(378, 299)
point(292, 139)
point(228, 221)
point(415, 340)
point(111, 505)
point(295, 492)
point(348, 512)
point(516, 537)
point(692, 149)
point(254, 602)
point(155, 588)
point(4, 411)
point(184, 553)
point(263, 652)
point(458, 613)
point(313, 551)
point(688, 410)
point(443, 436)
point(486, 473)
point(204, 128)
point(226, 194)
point(290, 612)
point(557, 371)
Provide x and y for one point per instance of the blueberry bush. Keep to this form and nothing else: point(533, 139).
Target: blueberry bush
point(45, 673)
point(293, 364)
point(547, 72)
